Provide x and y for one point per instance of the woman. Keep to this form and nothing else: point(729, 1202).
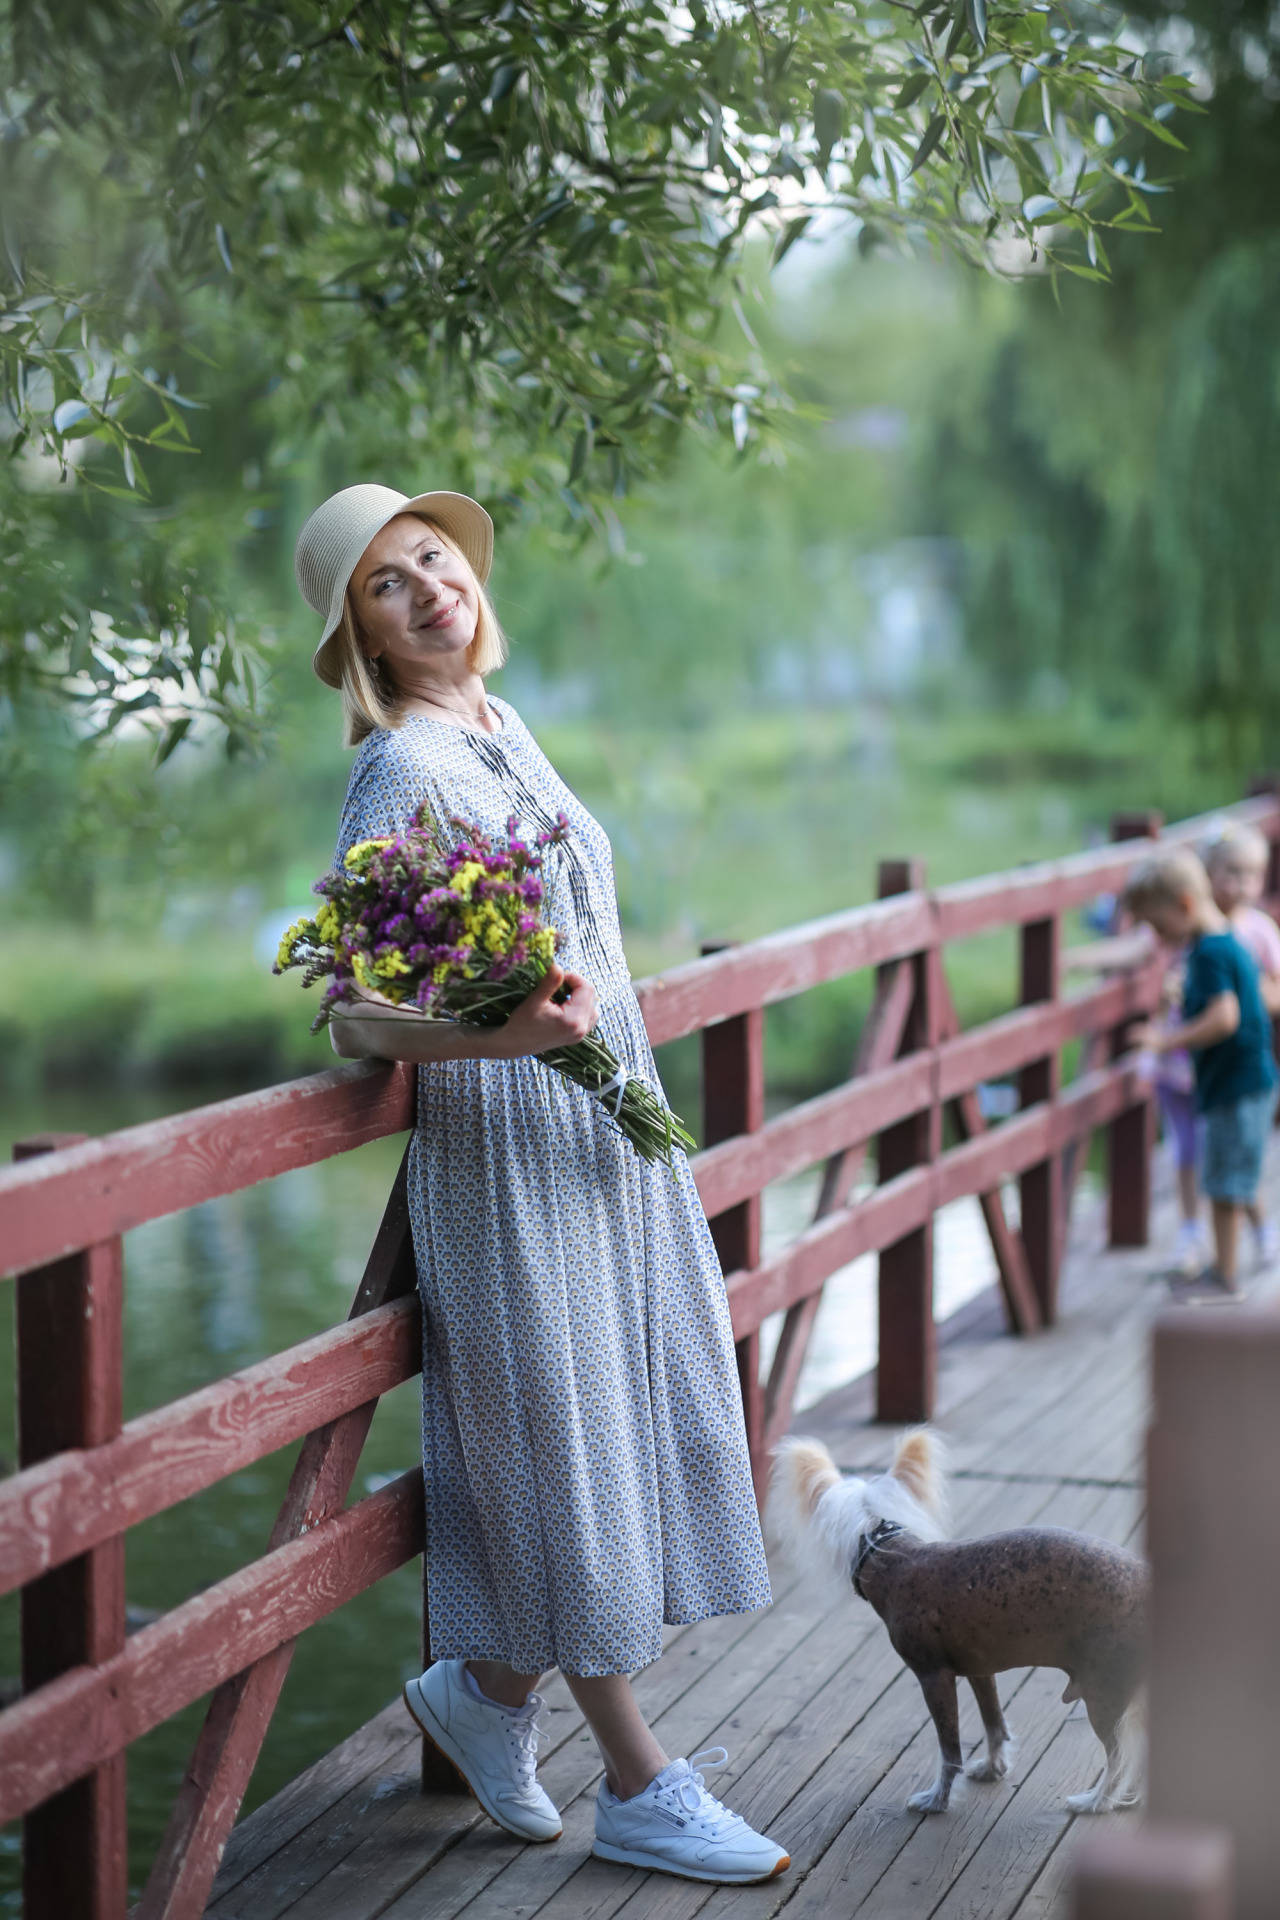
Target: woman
point(586, 1467)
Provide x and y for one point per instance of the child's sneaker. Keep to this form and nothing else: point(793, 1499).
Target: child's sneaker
point(494, 1749)
point(675, 1826)
point(1207, 1289)
point(1266, 1241)
point(1190, 1248)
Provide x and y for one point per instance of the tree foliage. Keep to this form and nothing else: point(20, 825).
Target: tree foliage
point(518, 225)
point(1112, 472)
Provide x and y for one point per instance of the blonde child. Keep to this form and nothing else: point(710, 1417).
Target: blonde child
point(1236, 862)
point(1226, 1029)
point(1172, 1074)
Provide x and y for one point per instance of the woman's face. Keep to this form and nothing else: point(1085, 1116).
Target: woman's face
point(416, 601)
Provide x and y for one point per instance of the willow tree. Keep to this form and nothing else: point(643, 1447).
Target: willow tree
point(523, 222)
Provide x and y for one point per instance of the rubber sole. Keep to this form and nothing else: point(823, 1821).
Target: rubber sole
point(426, 1722)
point(620, 1856)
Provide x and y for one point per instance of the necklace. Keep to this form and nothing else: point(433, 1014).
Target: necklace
point(476, 717)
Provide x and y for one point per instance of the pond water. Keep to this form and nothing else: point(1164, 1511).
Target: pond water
point(226, 1284)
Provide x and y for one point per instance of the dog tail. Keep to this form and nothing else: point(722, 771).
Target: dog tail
point(815, 1513)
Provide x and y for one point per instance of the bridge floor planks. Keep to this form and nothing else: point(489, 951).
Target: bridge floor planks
point(827, 1732)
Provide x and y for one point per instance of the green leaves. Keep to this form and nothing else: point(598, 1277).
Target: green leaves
point(518, 219)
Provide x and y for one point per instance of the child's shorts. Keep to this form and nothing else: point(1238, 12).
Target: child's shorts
point(1235, 1139)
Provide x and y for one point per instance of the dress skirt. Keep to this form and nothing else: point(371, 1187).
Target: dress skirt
point(585, 1460)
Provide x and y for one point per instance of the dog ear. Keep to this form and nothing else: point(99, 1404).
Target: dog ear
point(802, 1472)
point(917, 1465)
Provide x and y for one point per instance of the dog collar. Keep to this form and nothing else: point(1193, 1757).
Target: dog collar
point(884, 1530)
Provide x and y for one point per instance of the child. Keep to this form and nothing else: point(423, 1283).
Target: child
point(1225, 1027)
point(1172, 1075)
point(1236, 860)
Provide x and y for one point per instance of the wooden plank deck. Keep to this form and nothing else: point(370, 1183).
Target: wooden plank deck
point(826, 1730)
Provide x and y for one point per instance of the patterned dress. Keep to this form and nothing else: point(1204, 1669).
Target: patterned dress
point(587, 1476)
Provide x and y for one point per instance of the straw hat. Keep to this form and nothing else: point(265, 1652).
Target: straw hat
point(337, 533)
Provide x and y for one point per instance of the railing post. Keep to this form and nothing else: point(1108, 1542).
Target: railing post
point(1040, 1187)
point(69, 1321)
point(1131, 1135)
point(907, 1359)
point(1213, 1539)
point(1162, 1872)
point(732, 1103)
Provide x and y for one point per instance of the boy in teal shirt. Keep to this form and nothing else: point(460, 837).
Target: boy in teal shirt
point(1228, 1033)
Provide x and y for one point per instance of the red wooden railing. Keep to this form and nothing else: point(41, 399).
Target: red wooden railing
point(85, 1478)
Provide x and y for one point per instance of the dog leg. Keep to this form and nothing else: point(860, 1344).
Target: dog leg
point(939, 1689)
point(1109, 1717)
point(999, 1739)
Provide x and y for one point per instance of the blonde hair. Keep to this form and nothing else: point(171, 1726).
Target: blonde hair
point(370, 697)
point(1236, 837)
point(1165, 879)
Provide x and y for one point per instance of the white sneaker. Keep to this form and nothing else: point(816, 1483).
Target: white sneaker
point(675, 1826)
point(1191, 1249)
point(1266, 1241)
point(494, 1749)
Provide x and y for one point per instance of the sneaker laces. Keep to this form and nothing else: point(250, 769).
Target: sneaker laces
point(525, 1734)
point(690, 1791)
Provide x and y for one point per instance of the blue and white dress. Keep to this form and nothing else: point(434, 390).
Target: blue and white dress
point(587, 1475)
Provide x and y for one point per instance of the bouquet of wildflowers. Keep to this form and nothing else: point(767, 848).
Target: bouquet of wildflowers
point(457, 933)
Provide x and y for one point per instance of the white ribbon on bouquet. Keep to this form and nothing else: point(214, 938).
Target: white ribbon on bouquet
point(610, 1094)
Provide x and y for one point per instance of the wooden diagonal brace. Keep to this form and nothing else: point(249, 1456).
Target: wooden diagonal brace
point(1022, 1308)
point(241, 1709)
point(878, 1045)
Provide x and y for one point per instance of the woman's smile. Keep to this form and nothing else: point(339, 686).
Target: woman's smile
point(443, 617)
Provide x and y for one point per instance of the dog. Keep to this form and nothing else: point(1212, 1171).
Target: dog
point(1032, 1597)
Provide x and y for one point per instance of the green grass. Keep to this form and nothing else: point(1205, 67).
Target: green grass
point(78, 1004)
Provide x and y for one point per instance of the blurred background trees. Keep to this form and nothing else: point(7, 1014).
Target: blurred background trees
point(512, 232)
point(1110, 467)
point(817, 542)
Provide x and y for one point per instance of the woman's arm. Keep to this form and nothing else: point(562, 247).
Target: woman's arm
point(374, 1032)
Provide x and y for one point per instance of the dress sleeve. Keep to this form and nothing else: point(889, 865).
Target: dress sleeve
point(384, 792)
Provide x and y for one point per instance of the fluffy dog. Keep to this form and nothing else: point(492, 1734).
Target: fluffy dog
point(1033, 1597)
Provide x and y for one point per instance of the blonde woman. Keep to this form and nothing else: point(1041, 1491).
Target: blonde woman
point(586, 1468)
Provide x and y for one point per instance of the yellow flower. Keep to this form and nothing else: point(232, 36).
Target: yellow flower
point(288, 941)
point(465, 878)
point(388, 965)
point(365, 846)
point(360, 968)
point(328, 923)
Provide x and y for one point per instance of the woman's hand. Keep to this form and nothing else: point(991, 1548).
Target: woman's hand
point(561, 1009)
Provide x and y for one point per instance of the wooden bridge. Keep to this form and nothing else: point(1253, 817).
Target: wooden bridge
point(826, 1731)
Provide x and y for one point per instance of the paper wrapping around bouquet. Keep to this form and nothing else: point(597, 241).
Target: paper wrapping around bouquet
point(376, 1013)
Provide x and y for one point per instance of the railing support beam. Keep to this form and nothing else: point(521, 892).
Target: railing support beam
point(1131, 1136)
point(70, 1372)
point(733, 1103)
point(1040, 1187)
point(907, 1364)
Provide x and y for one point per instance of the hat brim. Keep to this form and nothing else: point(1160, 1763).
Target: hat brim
point(462, 521)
